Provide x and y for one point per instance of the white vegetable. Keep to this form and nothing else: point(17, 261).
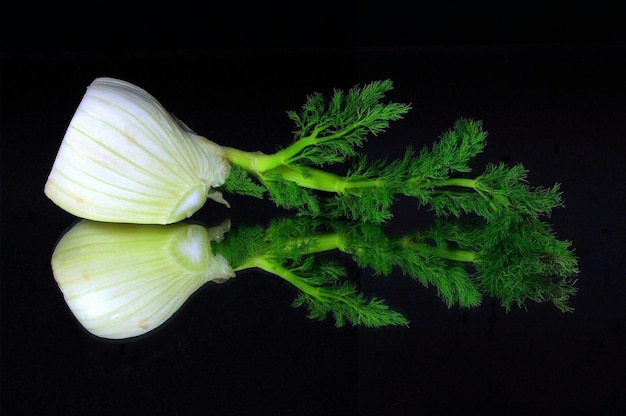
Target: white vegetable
point(123, 280)
point(124, 158)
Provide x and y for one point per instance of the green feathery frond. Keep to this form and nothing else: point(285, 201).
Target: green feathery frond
point(525, 261)
point(240, 182)
point(452, 153)
point(289, 195)
point(370, 247)
point(328, 131)
point(352, 308)
point(498, 189)
point(511, 259)
point(291, 249)
point(488, 237)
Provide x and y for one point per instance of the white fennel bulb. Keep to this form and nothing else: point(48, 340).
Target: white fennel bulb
point(124, 280)
point(124, 158)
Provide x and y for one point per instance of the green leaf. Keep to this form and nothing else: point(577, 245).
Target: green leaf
point(330, 131)
point(240, 182)
point(346, 305)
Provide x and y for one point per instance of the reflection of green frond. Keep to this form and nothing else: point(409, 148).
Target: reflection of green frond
point(512, 260)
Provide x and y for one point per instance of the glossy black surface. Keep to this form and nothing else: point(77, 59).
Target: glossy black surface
point(240, 348)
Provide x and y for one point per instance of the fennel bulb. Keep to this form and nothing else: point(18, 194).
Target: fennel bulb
point(124, 280)
point(124, 158)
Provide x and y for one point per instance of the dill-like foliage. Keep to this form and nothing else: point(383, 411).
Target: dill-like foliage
point(512, 260)
point(437, 177)
point(239, 182)
point(489, 237)
point(329, 131)
point(291, 249)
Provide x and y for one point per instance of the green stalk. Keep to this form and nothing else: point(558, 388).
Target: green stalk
point(257, 164)
point(252, 162)
point(261, 166)
point(460, 182)
point(325, 242)
point(261, 262)
point(290, 153)
point(495, 199)
point(325, 181)
point(334, 241)
point(466, 256)
point(322, 295)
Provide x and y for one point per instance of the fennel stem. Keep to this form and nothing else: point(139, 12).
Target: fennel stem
point(466, 256)
point(257, 164)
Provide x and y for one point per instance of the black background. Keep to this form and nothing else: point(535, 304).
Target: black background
point(556, 103)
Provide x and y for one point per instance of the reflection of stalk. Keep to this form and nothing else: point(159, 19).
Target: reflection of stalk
point(466, 256)
point(335, 241)
point(317, 292)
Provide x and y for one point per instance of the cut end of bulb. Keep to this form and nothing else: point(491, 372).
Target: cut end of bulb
point(191, 249)
point(189, 204)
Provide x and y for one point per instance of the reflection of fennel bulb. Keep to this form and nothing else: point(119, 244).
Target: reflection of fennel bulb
point(123, 280)
point(124, 158)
